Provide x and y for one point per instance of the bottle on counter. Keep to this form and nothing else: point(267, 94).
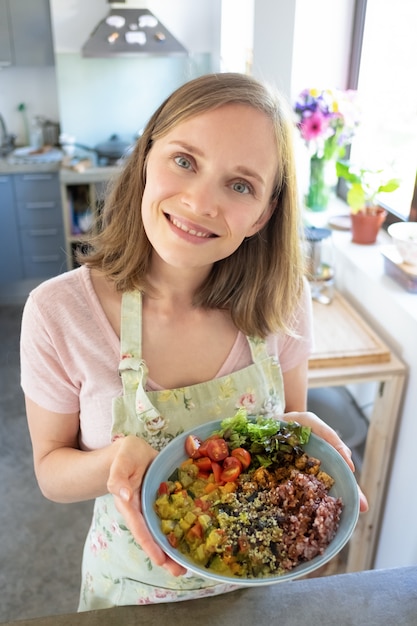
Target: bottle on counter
point(36, 134)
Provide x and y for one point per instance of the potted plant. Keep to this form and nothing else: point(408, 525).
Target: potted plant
point(364, 185)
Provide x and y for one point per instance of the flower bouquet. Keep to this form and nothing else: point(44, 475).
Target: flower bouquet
point(327, 121)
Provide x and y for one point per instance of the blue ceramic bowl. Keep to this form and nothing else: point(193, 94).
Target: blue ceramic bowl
point(174, 454)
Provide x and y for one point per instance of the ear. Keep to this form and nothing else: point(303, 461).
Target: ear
point(261, 221)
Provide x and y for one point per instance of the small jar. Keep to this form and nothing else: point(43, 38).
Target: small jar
point(319, 263)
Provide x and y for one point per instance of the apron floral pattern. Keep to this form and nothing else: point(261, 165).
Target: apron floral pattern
point(116, 571)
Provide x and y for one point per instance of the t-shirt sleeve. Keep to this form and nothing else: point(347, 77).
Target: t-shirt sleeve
point(44, 379)
point(293, 349)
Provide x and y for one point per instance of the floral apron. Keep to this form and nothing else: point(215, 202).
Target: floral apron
point(116, 571)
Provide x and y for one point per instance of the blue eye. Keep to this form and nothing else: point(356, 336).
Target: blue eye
point(241, 187)
point(182, 161)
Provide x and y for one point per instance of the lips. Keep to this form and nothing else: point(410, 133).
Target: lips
point(190, 229)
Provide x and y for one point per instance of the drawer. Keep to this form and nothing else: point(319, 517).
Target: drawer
point(44, 266)
point(39, 241)
point(37, 187)
point(39, 213)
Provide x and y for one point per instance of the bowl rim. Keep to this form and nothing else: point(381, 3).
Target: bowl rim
point(399, 231)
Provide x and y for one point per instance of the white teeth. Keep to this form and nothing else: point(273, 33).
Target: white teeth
point(188, 230)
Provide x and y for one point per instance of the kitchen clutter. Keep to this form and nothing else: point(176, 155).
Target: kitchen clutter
point(400, 258)
point(6, 139)
point(110, 152)
point(319, 263)
point(404, 237)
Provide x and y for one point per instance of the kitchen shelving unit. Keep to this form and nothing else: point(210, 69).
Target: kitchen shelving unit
point(82, 200)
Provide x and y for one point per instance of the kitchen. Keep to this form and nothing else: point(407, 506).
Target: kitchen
point(56, 92)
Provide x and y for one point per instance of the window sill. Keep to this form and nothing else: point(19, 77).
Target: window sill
point(360, 276)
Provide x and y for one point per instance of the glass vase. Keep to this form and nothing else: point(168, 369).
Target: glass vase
point(321, 184)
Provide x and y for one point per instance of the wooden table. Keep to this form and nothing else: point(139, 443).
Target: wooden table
point(347, 352)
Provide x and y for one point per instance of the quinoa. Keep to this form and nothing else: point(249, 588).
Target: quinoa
point(279, 526)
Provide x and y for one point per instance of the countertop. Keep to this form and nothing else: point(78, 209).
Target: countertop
point(10, 167)
point(67, 176)
point(371, 598)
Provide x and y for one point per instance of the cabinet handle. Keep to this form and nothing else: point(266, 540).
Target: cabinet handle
point(37, 176)
point(45, 258)
point(40, 205)
point(4, 179)
point(42, 232)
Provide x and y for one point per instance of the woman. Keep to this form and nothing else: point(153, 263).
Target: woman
point(191, 303)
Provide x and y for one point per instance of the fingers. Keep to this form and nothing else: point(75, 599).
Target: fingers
point(326, 432)
point(125, 480)
point(363, 502)
point(137, 526)
point(323, 430)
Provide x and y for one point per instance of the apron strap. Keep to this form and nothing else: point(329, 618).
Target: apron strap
point(258, 349)
point(132, 367)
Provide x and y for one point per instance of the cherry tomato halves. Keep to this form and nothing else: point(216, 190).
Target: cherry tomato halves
point(217, 449)
point(192, 446)
point(243, 456)
point(231, 469)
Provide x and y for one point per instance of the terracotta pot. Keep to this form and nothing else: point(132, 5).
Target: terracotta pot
point(365, 226)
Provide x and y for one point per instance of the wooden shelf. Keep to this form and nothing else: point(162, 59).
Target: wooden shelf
point(342, 337)
point(347, 352)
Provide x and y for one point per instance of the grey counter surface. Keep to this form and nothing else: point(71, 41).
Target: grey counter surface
point(9, 167)
point(67, 176)
point(374, 598)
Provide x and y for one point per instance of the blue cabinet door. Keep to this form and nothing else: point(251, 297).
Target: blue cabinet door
point(11, 267)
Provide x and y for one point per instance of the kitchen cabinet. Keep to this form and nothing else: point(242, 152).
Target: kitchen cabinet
point(82, 195)
point(37, 212)
point(25, 33)
point(11, 268)
point(38, 206)
point(5, 43)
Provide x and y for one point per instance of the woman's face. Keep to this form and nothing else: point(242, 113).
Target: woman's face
point(208, 185)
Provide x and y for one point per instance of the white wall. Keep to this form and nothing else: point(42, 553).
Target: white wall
point(105, 96)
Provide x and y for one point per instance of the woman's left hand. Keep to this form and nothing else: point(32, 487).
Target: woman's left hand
point(326, 432)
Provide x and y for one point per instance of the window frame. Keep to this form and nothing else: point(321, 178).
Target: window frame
point(358, 29)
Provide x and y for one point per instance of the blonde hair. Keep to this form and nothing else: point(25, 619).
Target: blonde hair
point(261, 282)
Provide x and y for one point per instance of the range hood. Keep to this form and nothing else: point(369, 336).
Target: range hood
point(130, 32)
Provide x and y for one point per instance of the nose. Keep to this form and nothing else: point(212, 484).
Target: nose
point(201, 197)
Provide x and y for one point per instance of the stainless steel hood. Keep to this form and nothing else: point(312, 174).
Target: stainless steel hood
point(130, 32)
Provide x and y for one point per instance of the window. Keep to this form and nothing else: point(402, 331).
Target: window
point(383, 69)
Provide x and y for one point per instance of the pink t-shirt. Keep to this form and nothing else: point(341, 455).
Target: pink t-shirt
point(70, 353)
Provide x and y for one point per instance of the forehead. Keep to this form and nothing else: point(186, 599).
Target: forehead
point(232, 130)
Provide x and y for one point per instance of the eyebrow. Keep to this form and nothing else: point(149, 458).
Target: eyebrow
point(240, 169)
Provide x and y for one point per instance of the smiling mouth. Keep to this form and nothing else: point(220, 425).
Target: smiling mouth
point(191, 231)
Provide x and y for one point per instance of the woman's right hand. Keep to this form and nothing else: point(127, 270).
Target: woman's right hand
point(125, 481)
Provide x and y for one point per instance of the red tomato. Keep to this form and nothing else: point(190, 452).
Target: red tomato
point(217, 471)
point(203, 446)
point(231, 469)
point(243, 456)
point(163, 489)
point(192, 446)
point(173, 540)
point(217, 449)
point(203, 464)
point(195, 532)
point(204, 505)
